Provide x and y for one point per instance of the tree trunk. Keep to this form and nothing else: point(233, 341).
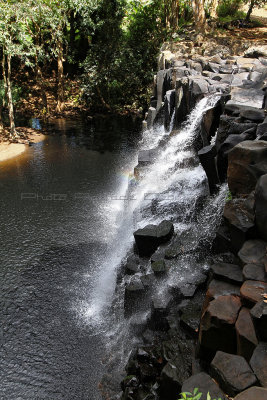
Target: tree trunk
point(60, 88)
point(5, 92)
point(213, 8)
point(199, 15)
point(40, 81)
point(175, 14)
point(13, 132)
point(252, 3)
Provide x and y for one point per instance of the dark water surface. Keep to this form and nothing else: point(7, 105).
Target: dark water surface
point(58, 213)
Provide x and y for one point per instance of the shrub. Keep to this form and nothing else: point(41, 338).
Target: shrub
point(196, 395)
point(228, 7)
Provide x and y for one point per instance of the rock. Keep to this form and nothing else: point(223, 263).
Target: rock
point(258, 363)
point(232, 372)
point(240, 221)
point(212, 67)
point(261, 206)
point(253, 114)
point(222, 241)
point(259, 315)
point(227, 272)
point(246, 335)
point(159, 267)
point(218, 288)
point(171, 381)
point(190, 318)
point(207, 158)
point(247, 97)
point(253, 252)
point(132, 265)
point(256, 52)
point(262, 129)
point(146, 157)
point(253, 393)
point(252, 291)
point(159, 312)
point(217, 324)
point(150, 237)
point(199, 86)
point(205, 385)
point(148, 280)
point(230, 142)
point(254, 272)
point(247, 162)
point(134, 293)
point(151, 115)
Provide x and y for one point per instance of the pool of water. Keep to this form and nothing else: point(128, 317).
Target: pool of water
point(60, 203)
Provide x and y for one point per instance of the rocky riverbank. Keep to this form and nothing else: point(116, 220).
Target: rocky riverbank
point(210, 331)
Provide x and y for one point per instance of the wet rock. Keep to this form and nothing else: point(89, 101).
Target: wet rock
point(207, 158)
point(148, 280)
point(262, 128)
point(159, 312)
point(261, 206)
point(205, 385)
point(253, 252)
point(182, 290)
point(132, 265)
point(232, 372)
point(217, 324)
point(240, 221)
point(146, 157)
point(151, 115)
point(254, 272)
point(246, 335)
point(159, 267)
point(228, 272)
point(253, 393)
point(258, 363)
point(259, 315)
point(134, 292)
point(247, 162)
point(252, 291)
point(222, 241)
point(150, 237)
point(190, 317)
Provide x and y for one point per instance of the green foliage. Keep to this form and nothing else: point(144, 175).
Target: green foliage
point(17, 93)
point(228, 7)
point(196, 395)
point(229, 196)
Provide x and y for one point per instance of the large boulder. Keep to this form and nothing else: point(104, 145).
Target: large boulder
point(261, 206)
point(253, 393)
point(252, 291)
point(205, 385)
point(247, 97)
point(246, 163)
point(134, 292)
point(258, 363)
point(254, 272)
point(246, 335)
point(218, 288)
point(232, 372)
point(149, 238)
point(217, 324)
point(259, 315)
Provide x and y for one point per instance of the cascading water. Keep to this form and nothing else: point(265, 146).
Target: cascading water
point(173, 187)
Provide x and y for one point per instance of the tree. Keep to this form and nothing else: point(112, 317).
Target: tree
point(15, 41)
point(199, 14)
point(252, 4)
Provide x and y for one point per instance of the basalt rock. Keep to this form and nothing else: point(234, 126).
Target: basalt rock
point(149, 238)
point(207, 158)
point(134, 292)
point(258, 363)
point(240, 220)
point(261, 206)
point(205, 385)
point(217, 325)
point(218, 288)
point(159, 267)
point(227, 272)
point(246, 335)
point(252, 291)
point(253, 252)
point(253, 393)
point(254, 272)
point(232, 372)
point(259, 315)
point(247, 162)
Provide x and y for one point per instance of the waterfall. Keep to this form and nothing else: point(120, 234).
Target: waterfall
point(172, 185)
